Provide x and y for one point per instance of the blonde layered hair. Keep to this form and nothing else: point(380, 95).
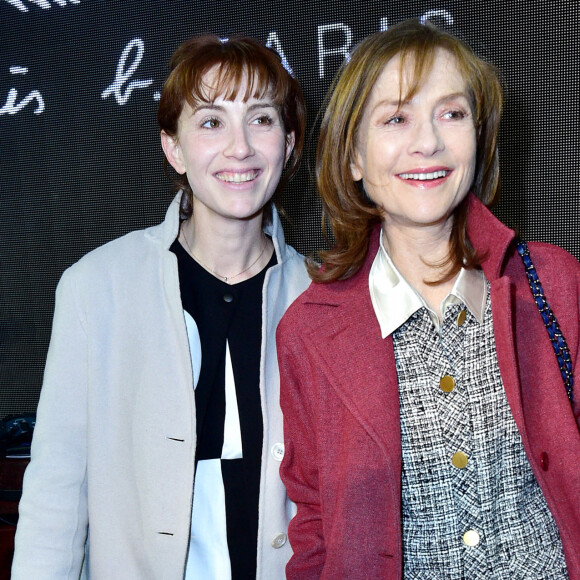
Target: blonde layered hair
point(346, 207)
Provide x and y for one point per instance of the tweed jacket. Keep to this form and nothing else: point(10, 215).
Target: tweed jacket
point(110, 483)
point(339, 396)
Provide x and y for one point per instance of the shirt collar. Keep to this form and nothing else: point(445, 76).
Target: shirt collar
point(395, 300)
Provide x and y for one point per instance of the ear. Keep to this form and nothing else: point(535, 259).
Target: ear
point(172, 151)
point(290, 141)
point(355, 167)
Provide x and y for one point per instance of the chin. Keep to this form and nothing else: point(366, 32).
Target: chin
point(245, 213)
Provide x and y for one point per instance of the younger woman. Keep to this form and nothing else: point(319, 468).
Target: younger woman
point(159, 433)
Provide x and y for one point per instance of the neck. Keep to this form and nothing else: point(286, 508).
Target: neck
point(416, 253)
point(233, 250)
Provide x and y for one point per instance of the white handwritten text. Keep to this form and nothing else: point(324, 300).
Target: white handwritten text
point(11, 107)
point(123, 74)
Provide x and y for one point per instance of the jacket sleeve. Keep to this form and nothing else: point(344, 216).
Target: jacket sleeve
point(53, 520)
point(299, 468)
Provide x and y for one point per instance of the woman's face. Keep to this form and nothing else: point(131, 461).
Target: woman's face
point(417, 160)
point(233, 152)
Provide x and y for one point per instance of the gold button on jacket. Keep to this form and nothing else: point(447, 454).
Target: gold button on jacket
point(447, 383)
point(459, 460)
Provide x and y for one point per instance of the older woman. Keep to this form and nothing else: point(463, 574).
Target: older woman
point(159, 432)
point(428, 429)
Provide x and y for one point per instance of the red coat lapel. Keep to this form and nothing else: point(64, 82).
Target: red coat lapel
point(360, 364)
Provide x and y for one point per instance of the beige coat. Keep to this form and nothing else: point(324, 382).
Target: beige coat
point(114, 445)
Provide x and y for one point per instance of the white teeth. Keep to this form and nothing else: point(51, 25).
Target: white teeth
point(237, 177)
point(424, 176)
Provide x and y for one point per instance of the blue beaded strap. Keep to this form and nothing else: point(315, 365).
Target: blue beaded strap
point(555, 333)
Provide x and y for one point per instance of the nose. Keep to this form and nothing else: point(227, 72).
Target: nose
point(426, 138)
point(239, 145)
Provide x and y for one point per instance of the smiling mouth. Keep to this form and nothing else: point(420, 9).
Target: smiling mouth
point(425, 176)
point(237, 177)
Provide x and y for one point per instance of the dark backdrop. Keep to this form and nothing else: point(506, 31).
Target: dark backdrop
point(79, 149)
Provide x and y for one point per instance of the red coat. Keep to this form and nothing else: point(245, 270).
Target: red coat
point(339, 396)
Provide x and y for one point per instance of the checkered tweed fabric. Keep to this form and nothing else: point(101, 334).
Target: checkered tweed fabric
point(496, 493)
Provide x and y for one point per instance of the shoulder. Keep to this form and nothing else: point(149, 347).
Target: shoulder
point(126, 257)
point(132, 253)
point(559, 275)
point(295, 263)
point(551, 262)
point(293, 259)
point(303, 312)
point(553, 257)
point(289, 278)
point(339, 292)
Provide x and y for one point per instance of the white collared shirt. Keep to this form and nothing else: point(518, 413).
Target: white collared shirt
point(395, 300)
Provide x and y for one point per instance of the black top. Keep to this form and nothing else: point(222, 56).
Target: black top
point(231, 313)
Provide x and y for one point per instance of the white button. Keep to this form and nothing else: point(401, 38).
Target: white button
point(278, 451)
point(471, 538)
point(279, 540)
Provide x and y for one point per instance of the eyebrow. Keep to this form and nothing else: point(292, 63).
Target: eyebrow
point(399, 103)
point(388, 103)
point(252, 107)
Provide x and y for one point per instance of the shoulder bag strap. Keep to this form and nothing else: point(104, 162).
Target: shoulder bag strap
point(550, 322)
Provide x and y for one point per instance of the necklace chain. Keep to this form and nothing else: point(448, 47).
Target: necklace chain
point(226, 279)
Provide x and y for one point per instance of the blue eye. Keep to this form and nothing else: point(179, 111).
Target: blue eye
point(396, 120)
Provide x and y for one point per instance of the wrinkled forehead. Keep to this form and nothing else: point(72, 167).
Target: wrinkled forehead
point(228, 82)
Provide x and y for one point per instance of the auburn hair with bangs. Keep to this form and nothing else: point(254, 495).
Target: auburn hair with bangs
point(237, 61)
point(346, 208)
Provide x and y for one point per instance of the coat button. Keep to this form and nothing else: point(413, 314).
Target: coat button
point(279, 540)
point(278, 451)
point(471, 538)
point(228, 298)
point(544, 461)
point(459, 460)
point(447, 383)
point(461, 317)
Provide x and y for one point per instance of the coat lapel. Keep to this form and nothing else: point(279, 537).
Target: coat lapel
point(359, 363)
point(492, 240)
point(504, 344)
point(361, 368)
